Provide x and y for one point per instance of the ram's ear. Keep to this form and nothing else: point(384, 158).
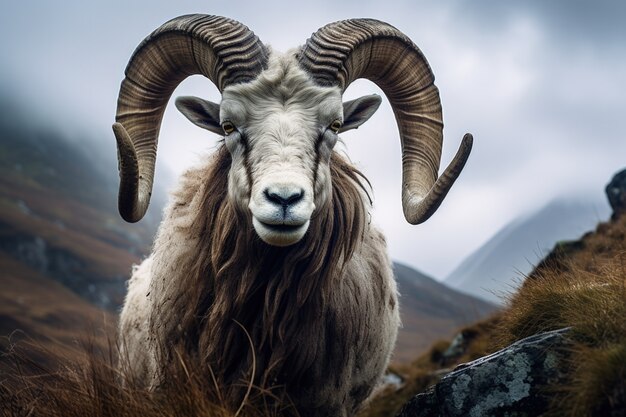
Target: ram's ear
point(203, 113)
point(356, 112)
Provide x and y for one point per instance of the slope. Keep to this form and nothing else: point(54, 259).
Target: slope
point(57, 210)
point(496, 268)
point(431, 311)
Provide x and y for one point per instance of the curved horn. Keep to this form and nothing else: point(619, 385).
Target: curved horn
point(223, 50)
point(344, 51)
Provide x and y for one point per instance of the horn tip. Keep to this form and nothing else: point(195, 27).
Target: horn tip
point(128, 217)
point(129, 176)
point(464, 150)
point(468, 140)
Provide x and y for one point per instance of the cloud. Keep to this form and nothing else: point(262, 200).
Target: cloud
point(540, 85)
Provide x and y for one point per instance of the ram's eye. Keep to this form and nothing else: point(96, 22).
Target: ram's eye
point(335, 126)
point(228, 127)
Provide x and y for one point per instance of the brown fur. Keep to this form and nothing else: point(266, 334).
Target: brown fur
point(278, 295)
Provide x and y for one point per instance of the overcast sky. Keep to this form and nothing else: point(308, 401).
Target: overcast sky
point(540, 84)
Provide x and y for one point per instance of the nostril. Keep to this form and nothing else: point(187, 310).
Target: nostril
point(273, 197)
point(295, 197)
point(284, 198)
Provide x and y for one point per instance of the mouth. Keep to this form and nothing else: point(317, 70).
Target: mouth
point(280, 234)
point(281, 228)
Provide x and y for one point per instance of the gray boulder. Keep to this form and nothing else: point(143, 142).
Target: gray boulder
point(510, 382)
point(616, 193)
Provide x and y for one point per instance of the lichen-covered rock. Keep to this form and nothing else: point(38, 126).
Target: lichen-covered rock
point(616, 193)
point(510, 382)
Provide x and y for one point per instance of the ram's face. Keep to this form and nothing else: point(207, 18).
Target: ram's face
point(280, 147)
point(280, 130)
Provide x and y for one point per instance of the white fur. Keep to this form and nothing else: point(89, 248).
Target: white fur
point(281, 115)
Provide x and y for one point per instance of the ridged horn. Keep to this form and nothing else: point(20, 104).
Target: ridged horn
point(223, 50)
point(344, 51)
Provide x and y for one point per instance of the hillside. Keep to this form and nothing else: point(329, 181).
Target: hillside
point(581, 286)
point(38, 309)
point(58, 213)
point(496, 268)
point(431, 311)
point(65, 253)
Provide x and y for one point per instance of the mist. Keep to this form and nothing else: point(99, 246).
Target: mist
point(540, 85)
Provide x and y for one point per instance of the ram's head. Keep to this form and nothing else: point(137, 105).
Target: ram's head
point(280, 115)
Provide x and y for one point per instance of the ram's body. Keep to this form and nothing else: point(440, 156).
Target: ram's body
point(336, 340)
point(266, 267)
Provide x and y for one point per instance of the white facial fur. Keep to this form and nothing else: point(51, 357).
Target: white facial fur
point(280, 148)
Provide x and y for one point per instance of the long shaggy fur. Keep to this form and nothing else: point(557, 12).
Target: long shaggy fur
point(322, 314)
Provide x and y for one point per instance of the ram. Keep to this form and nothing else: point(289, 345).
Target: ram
point(266, 253)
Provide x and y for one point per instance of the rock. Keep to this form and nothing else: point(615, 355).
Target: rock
point(458, 346)
point(389, 382)
point(509, 382)
point(33, 252)
point(392, 380)
point(616, 193)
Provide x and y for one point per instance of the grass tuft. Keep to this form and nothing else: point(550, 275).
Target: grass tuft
point(598, 385)
point(88, 383)
point(590, 298)
point(592, 303)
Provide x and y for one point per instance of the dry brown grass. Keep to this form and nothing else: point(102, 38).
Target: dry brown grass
point(45, 371)
point(593, 303)
point(581, 285)
point(86, 382)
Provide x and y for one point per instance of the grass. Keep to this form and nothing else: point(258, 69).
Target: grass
point(86, 382)
point(597, 386)
point(581, 285)
point(45, 371)
point(589, 297)
point(63, 378)
point(593, 304)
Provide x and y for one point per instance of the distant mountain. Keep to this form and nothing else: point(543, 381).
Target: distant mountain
point(431, 311)
point(58, 209)
point(498, 267)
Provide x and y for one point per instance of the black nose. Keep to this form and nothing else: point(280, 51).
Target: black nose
point(284, 198)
